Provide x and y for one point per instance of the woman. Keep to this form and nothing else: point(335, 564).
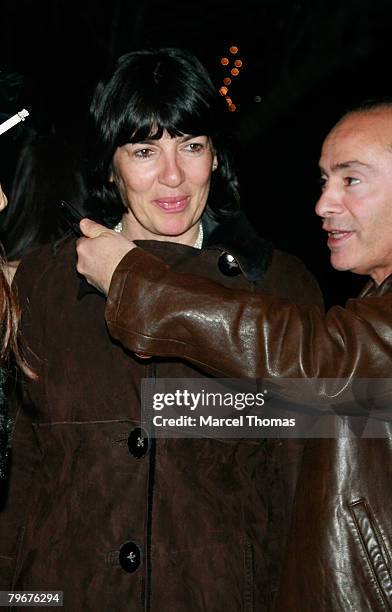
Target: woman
point(110, 517)
point(8, 345)
point(9, 350)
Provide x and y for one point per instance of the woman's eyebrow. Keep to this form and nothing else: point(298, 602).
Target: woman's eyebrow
point(145, 141)
point(187, 137)
point(151, 141)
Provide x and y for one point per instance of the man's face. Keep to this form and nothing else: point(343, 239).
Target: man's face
point(356, 199)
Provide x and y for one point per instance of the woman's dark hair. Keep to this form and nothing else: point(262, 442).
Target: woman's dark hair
point(11, 353)
point(149, 92)
point(10, 344)
point(48, 170)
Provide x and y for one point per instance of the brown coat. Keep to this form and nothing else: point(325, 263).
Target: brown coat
point(205, 516)
point(340, 542)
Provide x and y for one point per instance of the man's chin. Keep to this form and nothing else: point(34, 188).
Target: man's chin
point(340, 264)
point(349, 266)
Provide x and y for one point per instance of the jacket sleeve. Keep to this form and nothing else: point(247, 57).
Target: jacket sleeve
point(152, 310)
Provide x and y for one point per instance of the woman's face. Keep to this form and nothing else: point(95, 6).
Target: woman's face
point(164, 184)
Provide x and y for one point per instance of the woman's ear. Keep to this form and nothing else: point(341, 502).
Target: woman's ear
point(214, 163)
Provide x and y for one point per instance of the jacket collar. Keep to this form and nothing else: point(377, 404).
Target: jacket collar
point(237, 236)
point(373, 290)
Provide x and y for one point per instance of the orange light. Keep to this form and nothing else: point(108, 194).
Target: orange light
point(233, 50)
point(238, 63)
point(223, 91)
point(235, 71)
point(229, 100)
point(232, 108)
point(227, 81)
point(224, 61)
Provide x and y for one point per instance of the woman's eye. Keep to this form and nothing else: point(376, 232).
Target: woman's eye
point(194, 147)
point(350, 181)
point(143, 153)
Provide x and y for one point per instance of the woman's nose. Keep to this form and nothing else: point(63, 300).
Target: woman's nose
point(171, 173)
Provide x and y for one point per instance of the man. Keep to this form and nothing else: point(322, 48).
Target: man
point(339, 555)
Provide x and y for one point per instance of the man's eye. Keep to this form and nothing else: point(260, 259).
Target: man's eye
point(322, 181)
point(350, 181)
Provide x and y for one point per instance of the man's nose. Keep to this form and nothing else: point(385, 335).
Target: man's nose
point(171, 172)
point(329, 202)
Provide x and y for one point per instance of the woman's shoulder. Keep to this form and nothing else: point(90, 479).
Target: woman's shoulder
point(48, 264)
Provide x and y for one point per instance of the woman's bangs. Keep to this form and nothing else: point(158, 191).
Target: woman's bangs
point(168, 118)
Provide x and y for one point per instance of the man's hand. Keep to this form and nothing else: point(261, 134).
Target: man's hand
point(99, 253)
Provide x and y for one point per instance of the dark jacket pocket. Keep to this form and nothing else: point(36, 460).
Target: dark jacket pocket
point(374, 547)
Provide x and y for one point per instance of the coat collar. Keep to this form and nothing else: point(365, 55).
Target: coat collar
point(373, 290)
point(237, 236)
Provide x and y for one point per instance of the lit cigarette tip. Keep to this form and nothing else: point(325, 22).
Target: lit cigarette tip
point(23, 114)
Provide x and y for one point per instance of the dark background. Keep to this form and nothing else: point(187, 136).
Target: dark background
point(304, 63)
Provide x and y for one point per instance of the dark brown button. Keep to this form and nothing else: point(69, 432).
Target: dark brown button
point(228, 265)
point(138, 442)
point(129, 557)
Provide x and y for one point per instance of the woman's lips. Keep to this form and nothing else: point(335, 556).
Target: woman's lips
point(173, 204)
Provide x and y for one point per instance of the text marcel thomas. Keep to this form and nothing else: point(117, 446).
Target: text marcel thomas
point(213, 401)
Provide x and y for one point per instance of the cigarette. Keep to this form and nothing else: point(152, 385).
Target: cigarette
point(14, 120)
